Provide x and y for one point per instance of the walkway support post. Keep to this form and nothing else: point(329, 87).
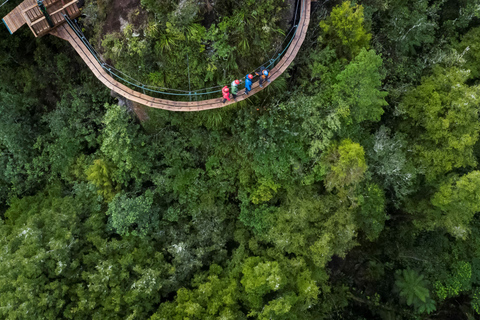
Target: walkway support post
point(189, 90)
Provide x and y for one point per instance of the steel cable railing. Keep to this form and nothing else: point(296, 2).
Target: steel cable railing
point(126, 79)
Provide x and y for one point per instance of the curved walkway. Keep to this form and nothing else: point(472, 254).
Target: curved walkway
point(66, 33)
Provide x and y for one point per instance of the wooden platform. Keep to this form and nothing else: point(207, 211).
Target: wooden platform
point(15, 19)
point(29, 13)
point(67, 33)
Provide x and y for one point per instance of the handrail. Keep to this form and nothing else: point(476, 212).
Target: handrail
point(67, 33)
point(152, 89)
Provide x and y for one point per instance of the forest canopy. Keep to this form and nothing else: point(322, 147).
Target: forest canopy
point(349, 188)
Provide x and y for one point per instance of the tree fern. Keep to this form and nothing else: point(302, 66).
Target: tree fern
point(412, 287)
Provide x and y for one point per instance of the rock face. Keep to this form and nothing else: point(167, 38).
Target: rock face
point(123, 12)
point(209, 6)
point(131, 106)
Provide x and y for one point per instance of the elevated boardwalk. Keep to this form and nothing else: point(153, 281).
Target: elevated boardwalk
point(67, 33)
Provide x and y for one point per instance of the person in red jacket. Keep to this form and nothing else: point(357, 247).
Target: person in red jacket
point(226, 94)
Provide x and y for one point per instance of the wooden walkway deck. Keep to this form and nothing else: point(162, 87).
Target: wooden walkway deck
point(15, 19)
point(65, 32)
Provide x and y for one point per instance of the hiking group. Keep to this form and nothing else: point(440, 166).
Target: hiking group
point(264, 76)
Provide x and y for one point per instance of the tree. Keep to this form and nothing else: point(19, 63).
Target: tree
point(322, 118)
point(256, 217)
point(125, 146)
point(442, 121)
point(412, 287)
point(45, 239)
point(124, 278)
point(459, 280)
point(312, 226)
point(133, 215)
point(410, 24)
point(346, 163)
point(390, 160)
point(18, 131)
point(458, 200)
point(260, 278)
point(214, 295)
point(470, 46)
point(253, 286)
point(72, 130)
point(371, 217)
point(358, 87)
point(343, 99)
point(101, 174)
point(67, 266)
point(344, 29)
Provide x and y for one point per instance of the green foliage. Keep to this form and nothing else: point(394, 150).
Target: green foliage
point(443, 121)
point(124, 146)
point(410, 24)
point(476, 300)
point(358, 86)
point(313, 226)
point(77, 271)
point(322, 120)
point(345, 30)
point(133, 215)
point(264, 192)
point(346, 163)
point(343, 98)
point(470, 46)
point(412, 287)
point(100, 173)
point(256, 217)
point(72, 130)
point(16, 148)
point(390, 160)
point(40, 234)
point(50, 113)
point(282, 289)
point(457, 199)
point(214, 296)
point(260, 278)
point(414, 36)
point(458, 281)
point(371, 218)
point(43, 235)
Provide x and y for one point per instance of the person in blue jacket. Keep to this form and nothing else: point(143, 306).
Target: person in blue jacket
point(264, 75)
point(248, 83)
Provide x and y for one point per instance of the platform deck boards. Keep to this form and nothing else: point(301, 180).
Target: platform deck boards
point(29, 13)
point(15, 19)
